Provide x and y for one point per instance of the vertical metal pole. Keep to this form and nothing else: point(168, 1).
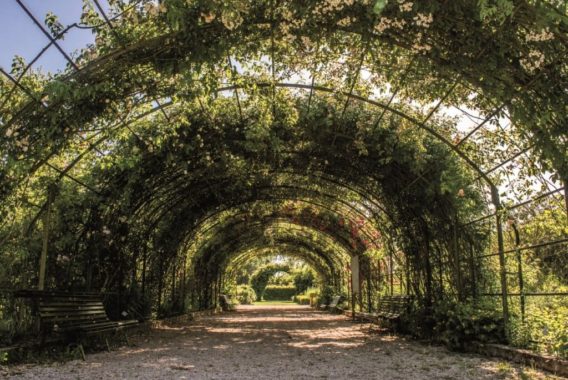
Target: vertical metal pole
point(350, 289)
point(391, 273)
point(174, 282)
point(369, 288)
point(183, 280)
point(502, 260)
point(144, 255)
point(379, 287)
point(520, 271)
point(160, 285)
point(472, 272)
point(457, 259)
point(407, 266)
point(46, 221)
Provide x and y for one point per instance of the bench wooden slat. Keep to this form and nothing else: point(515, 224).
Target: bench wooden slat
point(63, 304)
point(64, 321)
point(333, 305)
point(71, 311)
point(390, 308)
point(80, 313)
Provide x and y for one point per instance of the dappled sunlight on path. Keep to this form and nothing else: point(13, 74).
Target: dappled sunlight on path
point(276, 341)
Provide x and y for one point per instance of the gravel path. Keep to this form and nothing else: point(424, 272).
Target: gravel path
point(275, 342)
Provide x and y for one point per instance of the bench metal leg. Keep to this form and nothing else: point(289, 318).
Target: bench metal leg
point(82, 351)
point(76, 347)
point(107, 344)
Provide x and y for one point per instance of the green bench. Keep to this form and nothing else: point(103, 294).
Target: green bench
point(333, 305)
point(225, 303)
point(72, 317)
point(391, 308)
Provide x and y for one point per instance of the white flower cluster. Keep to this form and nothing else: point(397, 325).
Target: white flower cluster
point(533, 62)
point(419, 46)
point(329, 6)
point(290, 21)
point(208, 17)
point(287, 14)
point(543, 35)
point(405, 6)
point(10, 132)
point(386, 23)
point(423, 20)
point(307, 42)
point(231, 20)
point(346, 21)
point(152, 9)
point(22, 143)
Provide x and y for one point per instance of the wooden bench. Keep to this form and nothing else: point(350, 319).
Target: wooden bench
point(333, 305)
point(225, 303)
point(390, 309)
point(73, 316)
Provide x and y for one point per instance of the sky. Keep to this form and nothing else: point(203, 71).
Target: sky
point(20, 36)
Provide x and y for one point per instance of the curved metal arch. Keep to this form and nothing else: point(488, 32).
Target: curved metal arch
point(152, 42)
point(386, 107)
point(188, 243)
point(256, 233)
point(277, 218)
point(174, 201)
point(285, 249)
point(227, 223)
point(332, 260)
point(362, 191)
point(263, 227)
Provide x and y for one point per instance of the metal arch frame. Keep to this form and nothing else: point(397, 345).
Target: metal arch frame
point(350, 95)
point(239, 244)
point(411, 119)
point(268, 199)
point(495, 196)
point(234, 221)
point(173, 189)
point(176, 197)
point(332, 181)
point(494, 191)
point(254, 235)
point(198, 229)
point(401, 114)
point(254, 199)
point(240, 256)
point(278, 222)
point(387, 107)
point(266, 223)
point(109, 24)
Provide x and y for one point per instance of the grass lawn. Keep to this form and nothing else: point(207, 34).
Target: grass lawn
point(283, 302)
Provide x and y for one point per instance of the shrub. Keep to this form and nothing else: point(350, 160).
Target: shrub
point(307, 296)
point(245, 294)
point(325, 295)
point(303, 279)
point(302, 299)
point(279, 292)
point(456, 324)
point(544, 330)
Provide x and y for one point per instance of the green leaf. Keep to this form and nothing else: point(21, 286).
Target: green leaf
point(380, 6)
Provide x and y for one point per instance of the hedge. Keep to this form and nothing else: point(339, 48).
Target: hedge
point(279, 293)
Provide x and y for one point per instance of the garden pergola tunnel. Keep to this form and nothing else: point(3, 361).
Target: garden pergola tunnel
point(427, 140)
